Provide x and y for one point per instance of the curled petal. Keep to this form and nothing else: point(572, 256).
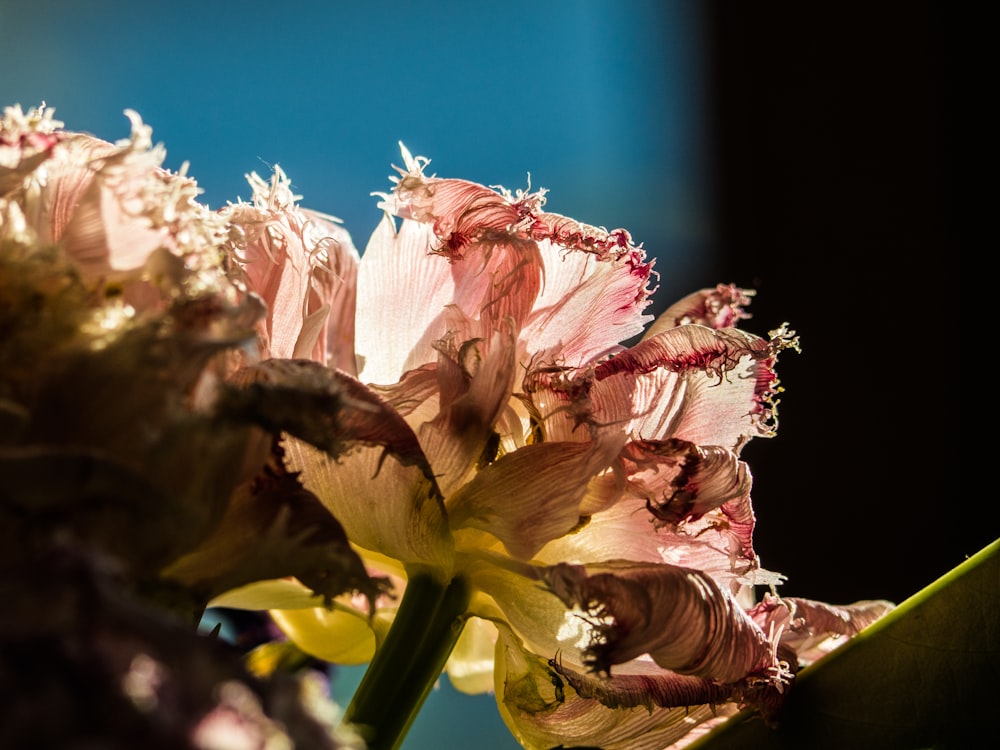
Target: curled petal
point(272, 529)
point(596, 282)
point(681, 481)
point(812, 629)
point(706, 386)
point(110, 208)
point(474, 385)
point(721, 307)
point(719, 544)
point(325, 407)
point(680, 617)
point(546, 706)
point(461, 212)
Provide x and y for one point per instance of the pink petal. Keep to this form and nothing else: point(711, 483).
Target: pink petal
point(681, 481)
point(304, 267)
point(383, 505)
point(721, 307)
point(721, 385)
point(812, 629)
point(587, 306)
point(97, 210)
point(474, 385)
point(679, 616)
point(719, 544)
point(596, 283)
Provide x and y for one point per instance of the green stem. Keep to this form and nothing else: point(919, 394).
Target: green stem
point(410, 660)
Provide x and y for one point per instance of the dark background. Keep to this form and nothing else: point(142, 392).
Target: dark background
point(834, 142)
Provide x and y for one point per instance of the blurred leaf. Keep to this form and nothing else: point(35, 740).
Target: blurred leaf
point(274, 528)
point(924, 676)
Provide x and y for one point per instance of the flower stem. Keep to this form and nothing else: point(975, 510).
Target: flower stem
point(410, 660)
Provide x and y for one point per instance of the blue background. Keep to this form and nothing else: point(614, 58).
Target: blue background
point(602, 103)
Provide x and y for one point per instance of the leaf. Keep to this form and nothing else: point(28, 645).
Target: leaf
point(924, 676)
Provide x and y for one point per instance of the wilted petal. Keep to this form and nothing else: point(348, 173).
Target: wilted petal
point(680, 481)
point(382, 505)
point(273, 528)
point(460, 212)
point(812, 629)
point(325, 407)
point(719, 544)
point(547, 706)
point(721, 307)
point(474, 383)
point(680, 617)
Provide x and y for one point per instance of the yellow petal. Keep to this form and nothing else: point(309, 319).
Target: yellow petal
point(342, 635)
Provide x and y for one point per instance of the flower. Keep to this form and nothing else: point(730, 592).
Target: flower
point(120, 320)
point(567, 517)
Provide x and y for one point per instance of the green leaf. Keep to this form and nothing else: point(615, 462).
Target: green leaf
point(924, 676)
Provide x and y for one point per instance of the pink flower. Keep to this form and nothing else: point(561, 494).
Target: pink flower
point(591, 497)
point(304, 267)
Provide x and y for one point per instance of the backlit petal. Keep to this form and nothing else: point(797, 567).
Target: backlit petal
point(402, 290)
point(530, 496)
point(382, 504)
point(721, 384)
point(304, 266)
point(721, 307)
point(680, 617)
point(812, 629)
point(544, 710)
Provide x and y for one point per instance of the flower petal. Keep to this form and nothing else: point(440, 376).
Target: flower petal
point(719, 544)
point(721, 386)
point(402, 290)
point(812, 629)
point(304, 266)
point(325, 407)
point(547, 706)
point(680, 617)
point(341, 634)
point(587, 306)
point(470, 666)
point(382, 504)
point(530, 496)
point(721, 307)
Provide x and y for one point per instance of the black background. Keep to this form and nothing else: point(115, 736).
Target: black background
point(835, 131)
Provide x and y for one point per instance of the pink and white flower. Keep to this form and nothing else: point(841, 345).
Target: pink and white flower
point(590, 495)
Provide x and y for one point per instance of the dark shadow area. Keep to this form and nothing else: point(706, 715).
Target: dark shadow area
point(834, 145)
